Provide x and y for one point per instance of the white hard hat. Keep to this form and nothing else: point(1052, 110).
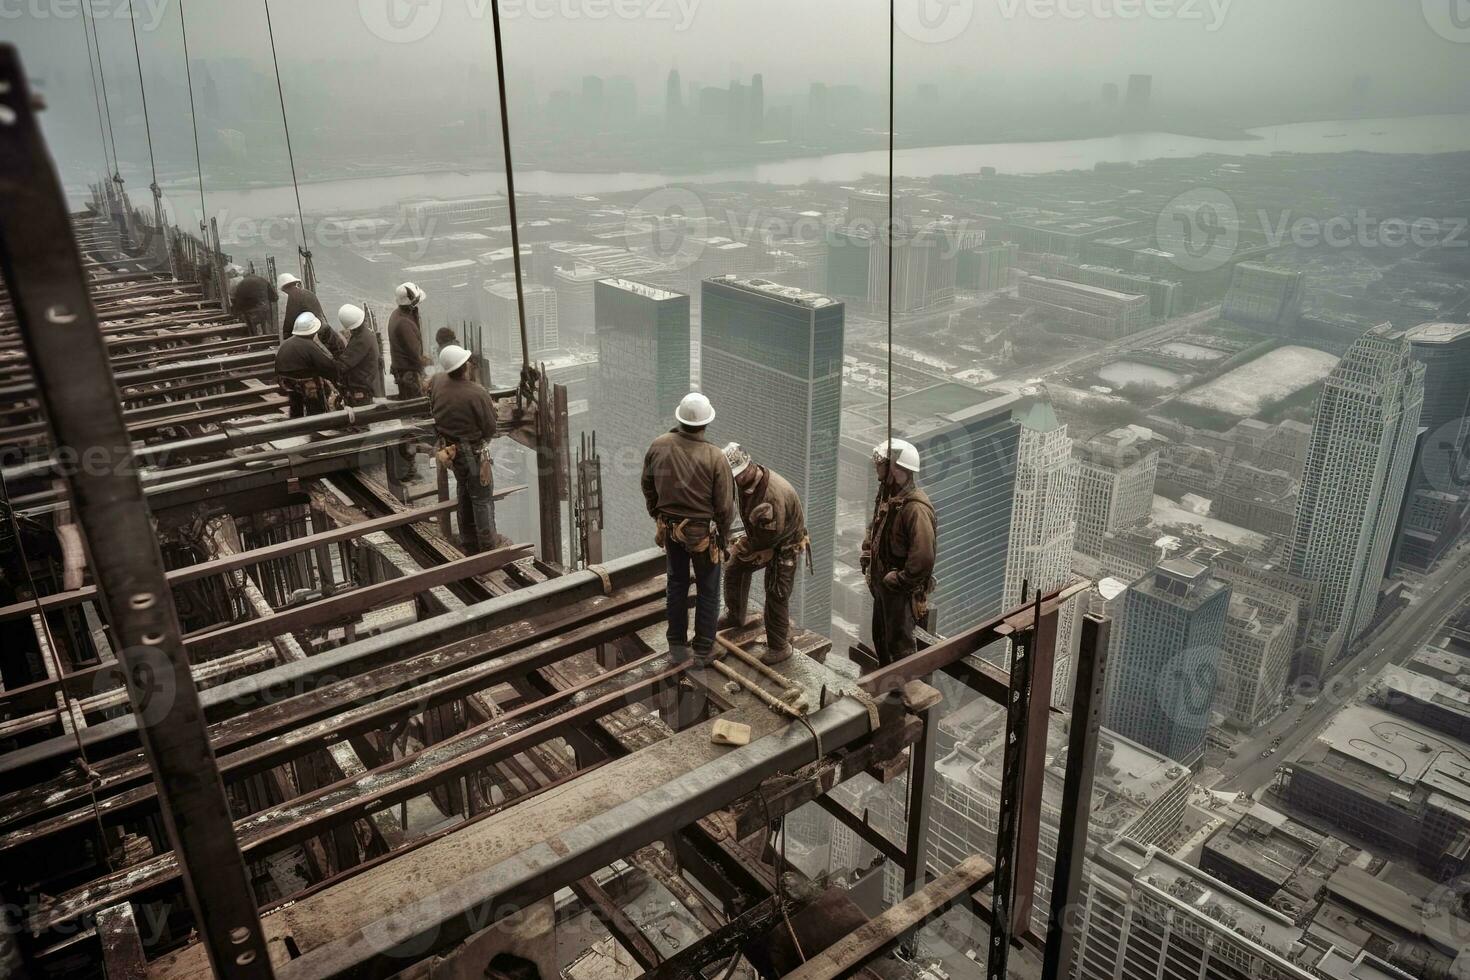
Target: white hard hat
point(739, 459)
point(306, 325)
point(285, 279)
point(452, 358)
point(908, 454)
point(695, 411)
point(350, 316)
point(409, 294)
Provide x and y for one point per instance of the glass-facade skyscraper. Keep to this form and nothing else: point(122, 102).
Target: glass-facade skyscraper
point(643, 370)
point(771, 363)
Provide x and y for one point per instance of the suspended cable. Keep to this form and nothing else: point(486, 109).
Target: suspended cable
point(290, 157)
point(892, 237)
point(510, 184)
point(96, 97)
point(189, 77)
point(143, 94)
point(106, 102)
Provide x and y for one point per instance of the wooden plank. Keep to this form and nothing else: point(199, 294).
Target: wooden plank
point(122, 946)
point(870, 939)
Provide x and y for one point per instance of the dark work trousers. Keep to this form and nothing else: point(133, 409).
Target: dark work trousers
point(780, 578)
point(476, 503)
point(706, 577)
point(893, 624)
point(410, 386)
point(301, 403)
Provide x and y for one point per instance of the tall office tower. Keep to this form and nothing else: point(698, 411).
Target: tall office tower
point(501, 318)
point(986, 267)
point(673, 101)
point(1150, 915)
point(1256, 664)
point(591, 107)
point(771, 362)
point(1115, 483)
point(1044, 516)
point(643, 357)
point(738, 112)
point(1434, 509)
point(1164, 665)
point(1264, 296)
point(757, 106)
point(1140, 94)
point(1357, 468)
point(868, 211)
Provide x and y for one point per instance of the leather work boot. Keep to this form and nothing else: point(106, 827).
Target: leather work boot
point(680, 653)
point(729, 621)
point(776, 655)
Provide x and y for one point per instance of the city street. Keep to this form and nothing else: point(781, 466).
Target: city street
point(1441, 592)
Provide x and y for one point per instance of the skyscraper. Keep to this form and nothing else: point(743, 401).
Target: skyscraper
point(643, 357)
point(1435, 504)
point(1165, 661)
point(1263, 296)
point(757, 106)
point(1140, 94)
point(1115, 486)
point(771, 362)
point(1353, 483)
point(499, 313)
point(673, 101)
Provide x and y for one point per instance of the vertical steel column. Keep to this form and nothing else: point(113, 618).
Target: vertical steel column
point(1082, 742)
point(920, 808)
point(1038, 717)
point(58, 325)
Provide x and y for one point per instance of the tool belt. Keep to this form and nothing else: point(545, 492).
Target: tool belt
point(313, 391)
point(683, 531)
point(790, 549)
point(449, 449)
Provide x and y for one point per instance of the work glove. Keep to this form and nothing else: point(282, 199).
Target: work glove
point(891, 581)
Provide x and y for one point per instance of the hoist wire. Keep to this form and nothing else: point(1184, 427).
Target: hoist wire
point(143, 93)
point(892, 236)
point(193, 118)
point(106, 102)
point(510, 184)
point(97, 98)
point(286, 127)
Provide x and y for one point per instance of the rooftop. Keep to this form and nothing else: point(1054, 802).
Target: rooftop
point(1438, 333)
point(642, 289)
point(1390, 758)
point(791, 294)
point(1079, 287)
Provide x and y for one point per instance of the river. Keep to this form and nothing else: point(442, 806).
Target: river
point(1408, 134)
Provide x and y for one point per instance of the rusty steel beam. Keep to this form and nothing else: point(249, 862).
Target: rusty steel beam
point(43, 270)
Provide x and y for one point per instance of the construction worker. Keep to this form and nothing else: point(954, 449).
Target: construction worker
point(775, 538)
point(464, 418)
point(301, 300)
point(304, 369)
point(407, 361)
point(359, 363)
point(250, 299)
point(689, 491)
point(444, 337)
point(898, 551)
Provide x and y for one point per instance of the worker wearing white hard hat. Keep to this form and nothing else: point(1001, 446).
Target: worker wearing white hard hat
point(775, 538)
point(360, 363)
point(301, 300)
point(304, 369)
point(465, 421)
point(690, 494)
point(899, 551)
point(406, 362)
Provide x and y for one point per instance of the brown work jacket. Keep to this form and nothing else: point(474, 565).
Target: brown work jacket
point(463, 410)
point(359, 361)
point(405, 341)
point(303, 358)
point(903, 538)
point(772, 514)
point(685, 476)
point(298, 301)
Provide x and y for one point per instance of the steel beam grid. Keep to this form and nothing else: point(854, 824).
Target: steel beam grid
point(75, 384)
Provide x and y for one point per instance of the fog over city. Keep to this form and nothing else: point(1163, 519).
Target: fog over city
point(1158, 309)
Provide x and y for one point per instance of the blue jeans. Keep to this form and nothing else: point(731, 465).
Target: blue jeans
point(476, 503)
point(706, 577)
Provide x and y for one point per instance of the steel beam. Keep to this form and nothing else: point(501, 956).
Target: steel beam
point(75, 384)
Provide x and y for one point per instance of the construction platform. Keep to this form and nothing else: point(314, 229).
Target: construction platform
point(260, 715)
